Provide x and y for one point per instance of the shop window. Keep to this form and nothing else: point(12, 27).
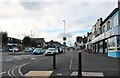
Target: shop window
point(111, 43)
point(118, 42)
point(101, 46)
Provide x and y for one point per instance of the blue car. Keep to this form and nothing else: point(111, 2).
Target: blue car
point(38, 51)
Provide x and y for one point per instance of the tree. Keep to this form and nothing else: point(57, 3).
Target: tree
point(4, 37)
point(26, 41)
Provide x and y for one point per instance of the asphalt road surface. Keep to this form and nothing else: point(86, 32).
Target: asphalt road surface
point(66, 63)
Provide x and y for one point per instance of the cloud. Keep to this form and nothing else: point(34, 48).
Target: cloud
point(44, 18)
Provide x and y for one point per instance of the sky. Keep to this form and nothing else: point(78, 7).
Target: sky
point(44, 18)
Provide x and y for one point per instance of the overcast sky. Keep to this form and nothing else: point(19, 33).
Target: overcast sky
point(44, 18)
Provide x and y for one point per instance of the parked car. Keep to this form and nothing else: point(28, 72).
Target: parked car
point(38, 51)
point(51, 51)
point(28, 50)
point(15, 49)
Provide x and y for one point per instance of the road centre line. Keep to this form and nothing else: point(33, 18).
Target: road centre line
point(71, 62)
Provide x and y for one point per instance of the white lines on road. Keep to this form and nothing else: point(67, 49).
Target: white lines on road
point(93, 74)
point(9, 60)
point(59, 74)
point(14, 70)
point(19, 70)
point(2, 73)
point(71, 62)
point(33, 58)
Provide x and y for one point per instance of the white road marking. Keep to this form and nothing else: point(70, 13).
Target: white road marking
point(59, 74)
point(9, 60)
point(3, 72)
point(71, 62)
point(13, 70)
point(92, 74)
point(74, 74)
point(9, 71)
point(97, 74)
point(33, 58)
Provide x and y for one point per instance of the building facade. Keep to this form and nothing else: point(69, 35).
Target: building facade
point(105, 35)
point(80, 42)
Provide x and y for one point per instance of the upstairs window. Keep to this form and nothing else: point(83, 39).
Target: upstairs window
point(103, 29)
point(108, 25)
point(115, 20)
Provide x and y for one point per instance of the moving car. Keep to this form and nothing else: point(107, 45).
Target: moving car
point(28, 50)
point(38, 51)
point(51, 51)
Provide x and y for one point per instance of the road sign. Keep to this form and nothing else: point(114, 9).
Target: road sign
point(64, 38)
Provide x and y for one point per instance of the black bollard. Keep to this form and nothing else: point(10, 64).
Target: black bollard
point(54, 61)
point(79, 66)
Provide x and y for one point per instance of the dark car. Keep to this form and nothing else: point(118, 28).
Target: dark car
point(28, 50)
point(38, 51)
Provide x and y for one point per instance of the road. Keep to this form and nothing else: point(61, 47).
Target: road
point(66, 64)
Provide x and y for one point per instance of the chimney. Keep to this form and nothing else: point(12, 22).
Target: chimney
point(119, 12)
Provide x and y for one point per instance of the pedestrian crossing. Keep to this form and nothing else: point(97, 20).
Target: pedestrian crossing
point(89, 74)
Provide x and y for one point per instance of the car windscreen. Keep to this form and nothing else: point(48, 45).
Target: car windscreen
point(37, 50)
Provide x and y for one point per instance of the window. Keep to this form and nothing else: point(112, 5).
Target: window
point(115, 20)
point(118, 42)
point(108, 25)
point(103, 29)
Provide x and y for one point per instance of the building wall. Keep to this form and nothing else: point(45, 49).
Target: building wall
point(107, 41)
point(119, 11)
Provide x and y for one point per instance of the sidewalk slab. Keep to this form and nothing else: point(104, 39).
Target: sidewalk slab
point(38, 74)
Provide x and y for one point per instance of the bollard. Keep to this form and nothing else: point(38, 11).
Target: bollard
point(79, 65)
point(54, 61)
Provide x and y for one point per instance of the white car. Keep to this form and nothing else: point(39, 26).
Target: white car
point(51, 51)
point(15, 49)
